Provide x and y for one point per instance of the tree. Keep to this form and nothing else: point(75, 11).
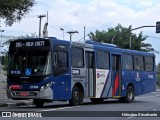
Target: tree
point(121, 37)
point(13, 10)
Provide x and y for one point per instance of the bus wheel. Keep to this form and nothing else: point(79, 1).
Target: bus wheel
point(38, 103)
point(77, 96)
point(129, 95)
point(97, 100)
point(81, 96)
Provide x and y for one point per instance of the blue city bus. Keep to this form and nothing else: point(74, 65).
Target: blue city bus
point(48, 69)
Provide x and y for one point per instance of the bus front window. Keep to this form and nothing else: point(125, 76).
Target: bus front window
point(36, 62)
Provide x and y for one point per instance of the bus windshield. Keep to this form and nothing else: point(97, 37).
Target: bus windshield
point(30, 63)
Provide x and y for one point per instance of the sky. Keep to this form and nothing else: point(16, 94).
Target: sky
point(73, 15)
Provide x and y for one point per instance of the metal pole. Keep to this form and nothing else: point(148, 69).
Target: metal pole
point(71, 33)
point(130, 41)
point(40, 27)
point(84, 33)
point(142, 27)
point(40, 17)
point(113, 39)
point(63, 32)
point(71, 37)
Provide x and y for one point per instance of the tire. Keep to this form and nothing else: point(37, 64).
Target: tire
point(129, 95)
point(81, 96)
point(97, 100)
point(38, 103)
point(77, 96)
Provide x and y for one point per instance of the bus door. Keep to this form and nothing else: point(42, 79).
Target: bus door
point(90, 69)
point(116, 75)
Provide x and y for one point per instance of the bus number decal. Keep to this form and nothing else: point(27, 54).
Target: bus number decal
point(150, 76)
point(33, 87)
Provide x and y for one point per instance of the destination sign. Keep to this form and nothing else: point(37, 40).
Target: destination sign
point(30, 44)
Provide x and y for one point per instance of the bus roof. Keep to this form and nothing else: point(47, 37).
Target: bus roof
point(93, 44)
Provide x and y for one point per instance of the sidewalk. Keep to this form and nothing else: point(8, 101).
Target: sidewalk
point(4, 101)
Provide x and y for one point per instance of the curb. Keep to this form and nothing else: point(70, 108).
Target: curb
point(3, 105)
point(16, 104)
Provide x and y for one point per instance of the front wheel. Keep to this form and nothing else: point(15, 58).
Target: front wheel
point(77, 96)
point(38, 103)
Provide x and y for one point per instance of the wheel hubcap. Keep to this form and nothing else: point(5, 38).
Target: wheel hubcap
point(76, 94)
point(130, 95)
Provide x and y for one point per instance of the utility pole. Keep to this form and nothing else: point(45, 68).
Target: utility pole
point(40, 18)
point(84, 33)
point(130, 41)
point(71, 33)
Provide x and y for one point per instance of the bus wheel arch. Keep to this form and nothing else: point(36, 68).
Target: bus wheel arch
point(77, 95)
point(130, 94)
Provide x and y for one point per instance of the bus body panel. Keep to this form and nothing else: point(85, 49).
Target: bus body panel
point(108, 82)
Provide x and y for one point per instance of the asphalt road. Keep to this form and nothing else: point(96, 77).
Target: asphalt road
point(149, 102)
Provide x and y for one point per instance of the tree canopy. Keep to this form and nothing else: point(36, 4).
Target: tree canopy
point(121, 36)
point(13, 10)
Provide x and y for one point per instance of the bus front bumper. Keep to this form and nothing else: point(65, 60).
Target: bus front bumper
point(46, 94)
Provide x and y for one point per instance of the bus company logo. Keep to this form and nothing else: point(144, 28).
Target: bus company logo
point(6, 114)
point(100, 75)
point(137, 77)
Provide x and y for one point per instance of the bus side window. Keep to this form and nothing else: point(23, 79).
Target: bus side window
point(62, 59)
point(149, 64)
point(102, 60)
point(60, 62)
point(138, 63)
point(77, 57)
point(127, 62)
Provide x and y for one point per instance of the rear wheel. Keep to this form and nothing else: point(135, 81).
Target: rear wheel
point(129, 95)
point(97, 100)
point(38, 103)
point(77, 96)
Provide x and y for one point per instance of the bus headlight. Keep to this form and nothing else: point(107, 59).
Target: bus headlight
point(45, 86)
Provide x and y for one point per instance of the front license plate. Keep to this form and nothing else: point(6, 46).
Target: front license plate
point(24, 93)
